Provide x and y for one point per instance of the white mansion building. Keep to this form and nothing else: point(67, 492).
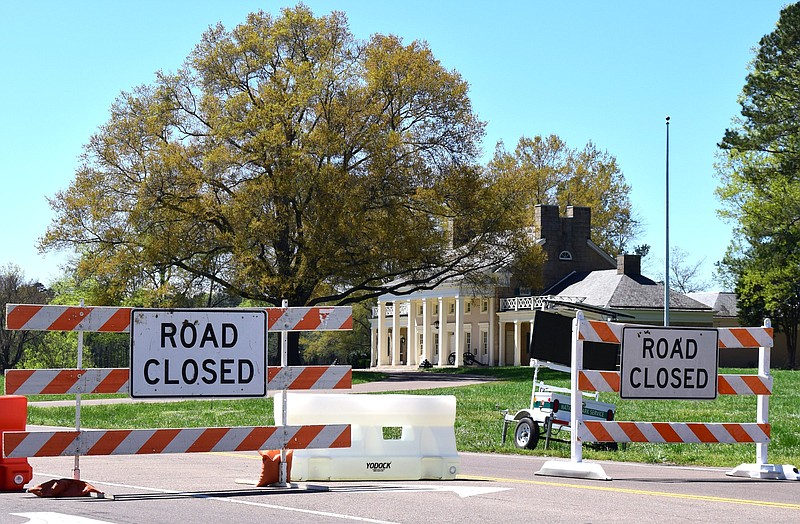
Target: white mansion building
point(495, 324)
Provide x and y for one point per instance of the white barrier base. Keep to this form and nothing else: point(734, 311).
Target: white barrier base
point(766, 471)
point(577, 470)
point(425, 449)
point(336, 467)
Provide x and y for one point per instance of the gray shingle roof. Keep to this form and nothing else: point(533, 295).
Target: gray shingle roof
point(724, 303)
point(610, 289)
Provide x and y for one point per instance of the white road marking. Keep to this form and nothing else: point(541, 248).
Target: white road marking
point(461, 491)
point(50, 517)
point(230, 500)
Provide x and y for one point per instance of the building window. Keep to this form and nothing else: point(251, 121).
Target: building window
point(468, 340)
point(436, 309)
point(484, 306)
point(485, 342)
point(419, 310)
point(565, 255)
point(468, 306)
point(452, 307)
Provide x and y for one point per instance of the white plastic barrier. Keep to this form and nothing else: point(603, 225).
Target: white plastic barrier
point(425, 449)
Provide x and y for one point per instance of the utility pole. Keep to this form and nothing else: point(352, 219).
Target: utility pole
point(666, 236)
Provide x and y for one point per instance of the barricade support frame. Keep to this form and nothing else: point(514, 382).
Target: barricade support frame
point(758, 432)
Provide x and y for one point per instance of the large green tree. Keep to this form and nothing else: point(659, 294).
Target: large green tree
point(286, 160)
point(544, 170)
point(759, 170)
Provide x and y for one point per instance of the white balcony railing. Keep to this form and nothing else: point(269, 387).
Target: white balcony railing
point(539, 302)
point(390, 310)
point(506, 304)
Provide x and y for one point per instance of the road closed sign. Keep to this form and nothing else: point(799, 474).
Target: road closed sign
point(198, 353)
point(668, 363)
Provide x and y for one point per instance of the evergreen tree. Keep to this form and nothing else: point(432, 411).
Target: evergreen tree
point(759, 169)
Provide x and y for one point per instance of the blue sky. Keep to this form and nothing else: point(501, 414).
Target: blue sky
point(602, 71)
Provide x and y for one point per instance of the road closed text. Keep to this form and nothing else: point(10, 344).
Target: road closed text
point(198, 353)
point(669, 363)
point(679, 350)
point(190, 371)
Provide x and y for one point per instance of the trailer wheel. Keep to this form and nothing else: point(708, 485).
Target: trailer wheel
point(526, 436)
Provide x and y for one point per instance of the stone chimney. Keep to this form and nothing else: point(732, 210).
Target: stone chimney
point(630, 265)
point(581, 223)
point(566, 243)
point(547, 220)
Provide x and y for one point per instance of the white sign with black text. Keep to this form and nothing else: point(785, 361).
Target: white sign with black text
point(669, 363)
point(198, 353)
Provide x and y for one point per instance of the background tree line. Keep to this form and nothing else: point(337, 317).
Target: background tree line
point(288, 159)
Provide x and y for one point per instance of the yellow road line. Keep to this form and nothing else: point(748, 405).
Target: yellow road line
point(686, 496)
point(236, 454)
point(706, 498)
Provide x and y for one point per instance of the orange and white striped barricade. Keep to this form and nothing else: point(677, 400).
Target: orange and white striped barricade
point(116, 442)
point(312, 318)
point(309, 378)
point(108, 319)
point(40, 317)
point(117, 380)
point(188, 440)
point(66, 381)
point(674, 432)
point(671, 432)
point(18, 444)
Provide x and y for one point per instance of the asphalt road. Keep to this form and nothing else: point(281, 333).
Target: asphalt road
point(210, 488)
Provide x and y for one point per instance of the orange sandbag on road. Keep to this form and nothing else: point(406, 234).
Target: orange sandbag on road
point(270, 467)
point(64, 488)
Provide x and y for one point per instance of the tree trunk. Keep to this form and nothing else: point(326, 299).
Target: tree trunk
point(791, 346)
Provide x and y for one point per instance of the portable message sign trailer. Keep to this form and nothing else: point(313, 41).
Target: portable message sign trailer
point(549, 411)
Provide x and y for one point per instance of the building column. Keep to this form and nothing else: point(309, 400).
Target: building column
point(459, 334)
point(427, 340)
point(530, 343)
point(395, 333)
point(517, 343)
point(382, 335)
point(501, 344)
point(442, 332)
point(373, 342)
point(492, 333)
point(412, 346)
